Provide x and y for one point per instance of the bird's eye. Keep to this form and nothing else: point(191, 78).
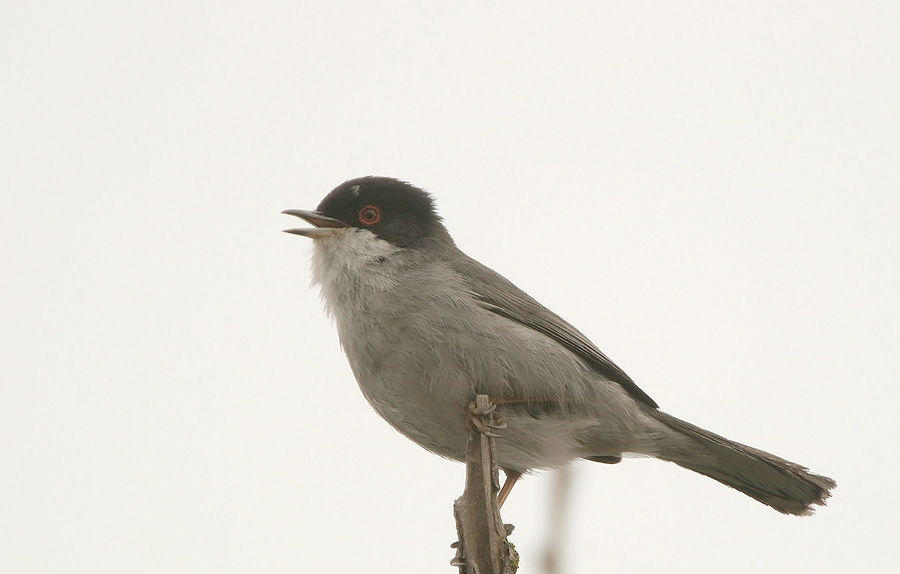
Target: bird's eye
point(369, 215)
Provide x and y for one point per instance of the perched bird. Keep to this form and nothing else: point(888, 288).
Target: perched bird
point(426, 328)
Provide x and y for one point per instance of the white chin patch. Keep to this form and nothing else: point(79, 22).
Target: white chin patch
point(350, 264)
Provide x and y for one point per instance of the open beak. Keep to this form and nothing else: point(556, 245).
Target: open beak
point(324, 226)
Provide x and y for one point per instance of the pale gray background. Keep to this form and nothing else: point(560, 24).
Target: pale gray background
point(708, 191)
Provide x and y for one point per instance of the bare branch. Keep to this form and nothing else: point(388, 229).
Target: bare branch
point(482, 546)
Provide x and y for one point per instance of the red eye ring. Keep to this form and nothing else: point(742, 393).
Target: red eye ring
point(369, 215)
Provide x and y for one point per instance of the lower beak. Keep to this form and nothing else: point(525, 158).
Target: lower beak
point(324, 226)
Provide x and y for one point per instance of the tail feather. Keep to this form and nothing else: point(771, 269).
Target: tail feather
point(785, 486)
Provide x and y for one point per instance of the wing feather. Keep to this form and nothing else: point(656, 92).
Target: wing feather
point(499, 295)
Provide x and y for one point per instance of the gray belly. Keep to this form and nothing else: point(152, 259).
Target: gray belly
point(421, 379)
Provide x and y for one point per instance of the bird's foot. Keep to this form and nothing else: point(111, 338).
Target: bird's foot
point(486, 420)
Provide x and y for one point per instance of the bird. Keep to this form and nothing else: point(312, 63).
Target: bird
point(426, 328)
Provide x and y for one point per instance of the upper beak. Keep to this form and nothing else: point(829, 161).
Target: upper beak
point(324, 226)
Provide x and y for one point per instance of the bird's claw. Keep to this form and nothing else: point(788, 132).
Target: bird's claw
point(486, 420)
point(498, 424)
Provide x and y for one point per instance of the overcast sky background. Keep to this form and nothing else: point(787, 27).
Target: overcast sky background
point(708, 190)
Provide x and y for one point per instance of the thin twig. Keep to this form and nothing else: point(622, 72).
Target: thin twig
point(556, 522)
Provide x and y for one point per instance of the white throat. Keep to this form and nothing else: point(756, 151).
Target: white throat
point(349, 267)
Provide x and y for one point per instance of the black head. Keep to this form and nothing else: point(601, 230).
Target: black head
point(394, 210)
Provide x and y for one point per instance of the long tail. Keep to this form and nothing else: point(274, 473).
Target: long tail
point(785, 486)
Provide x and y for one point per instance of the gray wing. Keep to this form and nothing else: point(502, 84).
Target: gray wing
point(497, 294)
